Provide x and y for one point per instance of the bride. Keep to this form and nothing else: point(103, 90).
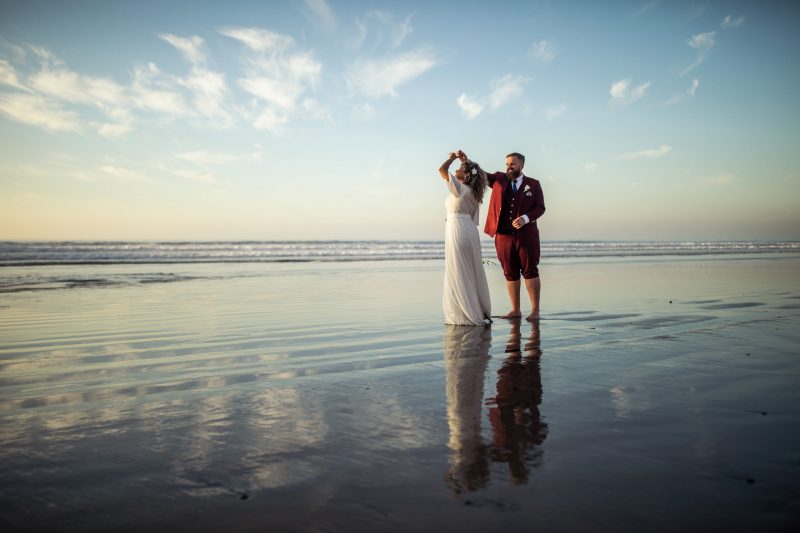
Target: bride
point(466, 293)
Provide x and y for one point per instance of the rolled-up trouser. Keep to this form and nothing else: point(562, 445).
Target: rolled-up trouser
point(515, 258)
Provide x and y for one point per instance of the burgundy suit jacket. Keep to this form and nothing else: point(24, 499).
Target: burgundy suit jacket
point(530, 201)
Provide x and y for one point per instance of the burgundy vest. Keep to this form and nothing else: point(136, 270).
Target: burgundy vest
point(507, 212)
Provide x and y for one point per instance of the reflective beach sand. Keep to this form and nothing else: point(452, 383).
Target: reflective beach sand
point(655, 394)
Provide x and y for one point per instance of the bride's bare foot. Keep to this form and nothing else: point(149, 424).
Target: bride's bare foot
point(533, 317)
point(512, 314)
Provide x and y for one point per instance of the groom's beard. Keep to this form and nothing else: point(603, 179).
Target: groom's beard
point(513, 174)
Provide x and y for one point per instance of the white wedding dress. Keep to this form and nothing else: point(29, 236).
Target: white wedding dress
point(466, 293)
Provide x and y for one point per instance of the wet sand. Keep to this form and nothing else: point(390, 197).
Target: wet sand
point(656, 394)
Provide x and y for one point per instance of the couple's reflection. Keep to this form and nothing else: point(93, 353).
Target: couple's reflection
point(466, 357)
point(516, 424)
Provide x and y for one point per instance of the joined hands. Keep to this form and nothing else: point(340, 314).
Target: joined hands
point(458, 155)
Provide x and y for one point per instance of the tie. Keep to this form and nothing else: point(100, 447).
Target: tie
point(514, 186)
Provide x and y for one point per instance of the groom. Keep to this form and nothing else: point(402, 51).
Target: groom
point(516, 202)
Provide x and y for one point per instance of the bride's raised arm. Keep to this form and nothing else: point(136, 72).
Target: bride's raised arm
point(443, 170)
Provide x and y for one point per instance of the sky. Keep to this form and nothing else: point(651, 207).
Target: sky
point(326, 119)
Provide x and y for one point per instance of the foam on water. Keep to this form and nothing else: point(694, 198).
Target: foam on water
point(73, 252)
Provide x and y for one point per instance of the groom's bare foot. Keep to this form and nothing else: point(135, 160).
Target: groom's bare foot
point(512, 314)
point(533, 317)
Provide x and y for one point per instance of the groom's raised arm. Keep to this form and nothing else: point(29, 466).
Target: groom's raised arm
point(491, 178)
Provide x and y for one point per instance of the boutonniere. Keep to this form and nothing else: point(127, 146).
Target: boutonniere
point(527, 190)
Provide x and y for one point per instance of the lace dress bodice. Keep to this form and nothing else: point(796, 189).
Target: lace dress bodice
point(461, 199)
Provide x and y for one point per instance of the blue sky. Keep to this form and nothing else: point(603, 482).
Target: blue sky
point(318, 119)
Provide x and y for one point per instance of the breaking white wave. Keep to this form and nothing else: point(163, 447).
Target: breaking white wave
point(55, 253)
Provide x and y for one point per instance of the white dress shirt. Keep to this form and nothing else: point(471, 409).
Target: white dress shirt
point(518, 181)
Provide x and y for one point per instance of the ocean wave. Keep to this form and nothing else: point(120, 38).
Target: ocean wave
point(109, 252)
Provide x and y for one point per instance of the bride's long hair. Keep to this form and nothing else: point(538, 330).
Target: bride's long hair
point(475, 179)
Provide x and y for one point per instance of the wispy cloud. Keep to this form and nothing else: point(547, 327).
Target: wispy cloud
point(152, 90)
point(505, 90)
point(123, 173)
point(552, 112)
point(203, 157)
point(278, 74)
point(65, 171)
point(53, 165)
point(55, 79)
point(209, 89)
point(316, 110)
point(703, 43)
point(688, 93)
point(382, 30)
point(280, 93)
point(149, 90)
point(14, 51)
point(210, 93)
point(8, 76)
point(365, 111)
point(259, 39)
point(502, 91)
point(470, 106)
point(646, 8)
point(73, 87)
point(194, 175)
point(723, 179)
point(123, 123)
point(39, 111)
point(623, 93)
point(206, 158)
point(322, 11)
point(375, 78)
point(543, 51)
point(62, 158)
point(653, 153)
point(729, 22)
point(191, 48)
point(697, 12)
